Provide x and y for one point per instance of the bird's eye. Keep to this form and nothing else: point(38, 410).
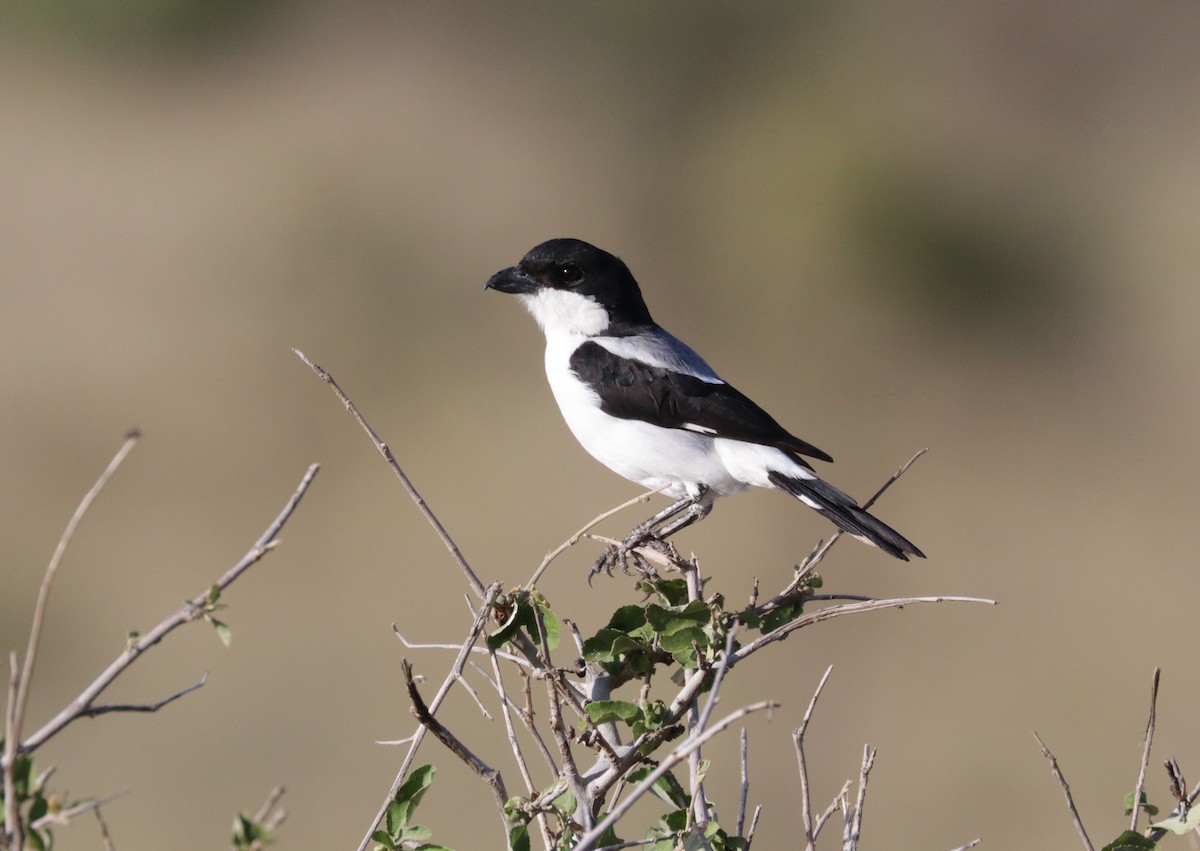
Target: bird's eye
point(570, 273)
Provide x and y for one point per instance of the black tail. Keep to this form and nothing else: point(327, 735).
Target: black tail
point(846, 514)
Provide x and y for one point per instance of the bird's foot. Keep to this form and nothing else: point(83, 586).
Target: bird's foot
point(628, 555)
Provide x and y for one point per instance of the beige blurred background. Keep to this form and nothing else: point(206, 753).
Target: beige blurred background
point(897, 225)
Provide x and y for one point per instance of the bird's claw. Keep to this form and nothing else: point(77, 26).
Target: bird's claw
point(625, 555)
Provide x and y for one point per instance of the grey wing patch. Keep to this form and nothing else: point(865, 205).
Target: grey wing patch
point(660, 349)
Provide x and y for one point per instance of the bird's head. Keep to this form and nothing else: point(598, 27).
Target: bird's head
point(573, 287)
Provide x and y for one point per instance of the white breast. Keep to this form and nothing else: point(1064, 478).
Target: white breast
point(643, 453)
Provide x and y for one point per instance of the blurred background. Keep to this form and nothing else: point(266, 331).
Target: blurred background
point(965, 227)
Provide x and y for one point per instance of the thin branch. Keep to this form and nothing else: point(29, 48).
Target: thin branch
point(1066, 790)
point(489, 598)
point(415, 645)
point(753, 826)
point(969, 845)
point(104, 834)
point(867, 762)
point(741, 816)
point(12, 823)
point(518, 755)
point(845, 609)
point(699, 799)
point(66, 814)
point(92, 711)
point(574, 539)
point(414, 494)
point(810, 836)
point(1181, 811)
point(190, 611)
point(526, 718)
point(1141, 781)
point(588, 841)
point(421, 712)
point(270, 815)
point(39, 609)
point(833, 807)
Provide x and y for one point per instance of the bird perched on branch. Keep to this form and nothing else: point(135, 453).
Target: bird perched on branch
point(648, 407)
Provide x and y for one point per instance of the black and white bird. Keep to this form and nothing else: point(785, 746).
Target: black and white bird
point(648, 407)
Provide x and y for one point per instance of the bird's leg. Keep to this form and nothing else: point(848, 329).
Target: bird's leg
point(697, 510)
point(654, 531)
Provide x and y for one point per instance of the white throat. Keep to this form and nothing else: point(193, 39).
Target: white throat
point(559, 312)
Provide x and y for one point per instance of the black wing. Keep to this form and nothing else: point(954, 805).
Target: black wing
point(632, 390)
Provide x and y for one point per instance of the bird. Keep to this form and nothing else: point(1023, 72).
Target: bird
point(647, 406)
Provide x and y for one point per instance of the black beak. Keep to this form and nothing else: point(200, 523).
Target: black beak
point(511, 280)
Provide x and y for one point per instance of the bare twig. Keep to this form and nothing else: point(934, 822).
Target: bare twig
point(416, 645)
point(39, 609)
point(588, 841)
point(1066, 790)
point(574, 539)
point(489, 598)
point(526, 716)
point(104, 834)
point(270, 815)
point(699, 799)
point(67, 813)
point(421, 712)
point(753, 826)
point(969, 845)
point(1182, 809)
point(92, 711)
point(810, 836)
point(1141, 781)
point(190, 611)
point(12, 824)
point(833, 807)
point(856, 823)
point(741, 816)
point(414, 494)
point(515, 746)
point(845, 609)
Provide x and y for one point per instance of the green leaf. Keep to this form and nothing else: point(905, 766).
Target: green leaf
point(604, 711)
point(1130, 841)
point(565, 803)
point(673, 592)
point(1150, 809)
point(1180, 826)
point(417, 785)
point(385, 841)
point(666, 788)
point(223, 630)
point(783, 615)
point(37, 809)
point(518, 838)
point(551, 624)
point(214, 594)
point(409, 795)
point(669, 621)
point(627, 619)
point(413, 833)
